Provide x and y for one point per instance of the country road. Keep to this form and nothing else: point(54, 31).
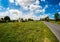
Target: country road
point(55, 28)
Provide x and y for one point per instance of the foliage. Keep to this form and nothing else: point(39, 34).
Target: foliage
point(22, 20)
point(7, 18)
point(30, 19)
point(56, 17)
point(26, 20)
point(47, 19)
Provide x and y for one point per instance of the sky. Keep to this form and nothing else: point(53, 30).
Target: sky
point(34, 9)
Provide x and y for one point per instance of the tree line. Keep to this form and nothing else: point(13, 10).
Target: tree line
point(7, 19)
point(56, 18)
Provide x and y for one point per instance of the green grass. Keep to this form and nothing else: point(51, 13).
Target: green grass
point(55, 22)
point(26, 32)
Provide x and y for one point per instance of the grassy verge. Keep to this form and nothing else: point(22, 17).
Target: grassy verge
point(55, 22)
point(26, 32)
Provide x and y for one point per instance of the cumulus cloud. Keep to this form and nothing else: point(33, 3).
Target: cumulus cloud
point(11, 1)
point(43, 16)
point(28, 4)
point(59, 12)
point(32, 5)
point(3, 14)
point(15, 14)
point(59, 3)
point(41, 11)
point(37, 2)
point(32, 16)
point(25, 3)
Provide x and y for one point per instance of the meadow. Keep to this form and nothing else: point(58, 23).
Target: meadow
point(33, 31)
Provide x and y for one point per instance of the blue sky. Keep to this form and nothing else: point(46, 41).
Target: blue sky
point(35, 9)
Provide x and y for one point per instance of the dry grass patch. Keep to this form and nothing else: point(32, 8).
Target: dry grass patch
point(46, 40)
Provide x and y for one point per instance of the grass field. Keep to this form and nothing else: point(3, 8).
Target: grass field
point(26, 32)
point(58, 22)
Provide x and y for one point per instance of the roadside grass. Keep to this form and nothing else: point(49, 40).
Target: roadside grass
point(26, 32)
point(55, 22)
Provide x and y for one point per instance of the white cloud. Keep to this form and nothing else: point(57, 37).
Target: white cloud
point(32, 16)
point(28, 4)
point(28, 16)
point(15, 14)
point(46, 6)
point(59, 12)
point(32, 5)
point(3, 14)
point(59, 3)
point(41, 11)
point(11, 1)
point(37, 2)
point(25, 3)
point(43, 16)
point(42, 0)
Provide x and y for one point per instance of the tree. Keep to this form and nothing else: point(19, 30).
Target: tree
point(6, 18)
point(22, 20)
point(47, 19)
point(30, 19)
point(56, 16)
point(26, 20)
